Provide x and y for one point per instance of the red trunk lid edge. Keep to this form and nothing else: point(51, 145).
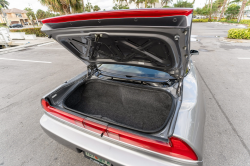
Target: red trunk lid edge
point(134, 13)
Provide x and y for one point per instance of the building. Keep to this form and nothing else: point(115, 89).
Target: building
point(14, 16)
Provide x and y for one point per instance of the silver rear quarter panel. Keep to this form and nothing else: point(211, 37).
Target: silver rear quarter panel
point(191, 116)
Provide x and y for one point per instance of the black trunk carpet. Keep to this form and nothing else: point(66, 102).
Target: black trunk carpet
point(140, 108)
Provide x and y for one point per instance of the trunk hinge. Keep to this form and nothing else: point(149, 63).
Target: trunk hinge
point(92, 69)
point(178, 90)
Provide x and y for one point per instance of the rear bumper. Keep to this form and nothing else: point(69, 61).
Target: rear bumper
point(77, 139)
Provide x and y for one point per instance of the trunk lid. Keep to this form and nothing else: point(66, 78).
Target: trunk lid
point(151, 38)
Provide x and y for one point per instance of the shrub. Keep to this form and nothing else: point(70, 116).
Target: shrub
point(2, 24)
point(36, 31)
point(200, 20)
point(245, 22)
point(203, 20)
point(239, 33)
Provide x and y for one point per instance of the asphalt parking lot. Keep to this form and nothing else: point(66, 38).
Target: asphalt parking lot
point(27, 75)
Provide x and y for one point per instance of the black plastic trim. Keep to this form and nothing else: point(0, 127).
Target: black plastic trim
point(153, 21)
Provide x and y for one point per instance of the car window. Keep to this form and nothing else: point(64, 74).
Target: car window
point(133, 71)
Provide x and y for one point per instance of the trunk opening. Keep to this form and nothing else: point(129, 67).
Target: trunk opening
point(137, 107)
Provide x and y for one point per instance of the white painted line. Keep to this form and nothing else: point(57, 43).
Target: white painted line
point(193, 39)
point(243, 58)
point(24, 60)
point(45, 44)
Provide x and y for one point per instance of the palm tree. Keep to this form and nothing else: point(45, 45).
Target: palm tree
point(152, 2)
point(83, 6)
point(120, 1)
point(145, 3)
point(242, 10)
point(223, 9)
point(137, 2)
point(96, 8)
point(88, 7)
point(4, 4)
point(193, 2)
point(63, 6)
point(165, 2)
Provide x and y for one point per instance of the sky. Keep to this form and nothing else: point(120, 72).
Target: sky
point(103, 4)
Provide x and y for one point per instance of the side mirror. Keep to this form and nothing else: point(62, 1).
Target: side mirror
point(194, 52)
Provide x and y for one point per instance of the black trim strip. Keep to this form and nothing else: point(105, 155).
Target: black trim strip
point(156, 21)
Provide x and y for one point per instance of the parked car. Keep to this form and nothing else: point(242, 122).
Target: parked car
point(16, 26)
point(26, 23)
point(140, 100)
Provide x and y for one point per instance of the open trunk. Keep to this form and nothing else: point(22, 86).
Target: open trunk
point(141, 108)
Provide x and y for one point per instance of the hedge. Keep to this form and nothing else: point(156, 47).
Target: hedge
point(239, 33)
point(223, 20)
point(3, 24)
point(200, 20)
point(36, 31)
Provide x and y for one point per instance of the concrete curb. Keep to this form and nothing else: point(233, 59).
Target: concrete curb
point(21, 47)
point(225, 39)
point(226, 23)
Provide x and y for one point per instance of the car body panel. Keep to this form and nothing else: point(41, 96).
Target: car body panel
point(186, 123)
point(77, 139)
point(188, 126)
point(191, 116)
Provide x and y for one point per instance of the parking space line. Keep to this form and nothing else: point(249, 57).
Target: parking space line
point(243, 58)
point(45, 44)
point(24, 60)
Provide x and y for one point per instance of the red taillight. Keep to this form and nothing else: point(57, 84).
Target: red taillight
point(175, 147)
point(63, 115)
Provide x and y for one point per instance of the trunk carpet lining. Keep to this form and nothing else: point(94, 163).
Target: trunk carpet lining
point(140, 108)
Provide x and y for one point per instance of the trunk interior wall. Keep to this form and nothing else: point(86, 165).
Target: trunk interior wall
point(144, 109)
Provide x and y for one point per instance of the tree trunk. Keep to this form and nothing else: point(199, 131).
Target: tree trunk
point(223, 9)
point(242, 10)
point(146, 3)
point(208, 4)
point(211, 9)
point(83, 6)
point(66, 9)
point(126, 2)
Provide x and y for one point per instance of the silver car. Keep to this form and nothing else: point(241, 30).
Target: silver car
point(140, 100)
